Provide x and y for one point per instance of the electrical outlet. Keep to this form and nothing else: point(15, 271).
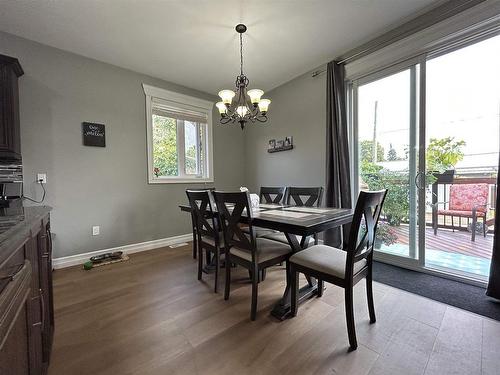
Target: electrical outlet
point(41, 177)
point(95, 230)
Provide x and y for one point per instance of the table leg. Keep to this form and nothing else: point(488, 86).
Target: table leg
point(281, 310)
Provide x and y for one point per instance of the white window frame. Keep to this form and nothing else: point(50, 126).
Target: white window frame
point(187, 102)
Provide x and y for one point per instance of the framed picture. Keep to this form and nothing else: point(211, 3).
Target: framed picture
point(272, 144)
point(288, 141)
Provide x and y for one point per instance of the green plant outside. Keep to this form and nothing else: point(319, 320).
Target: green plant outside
point(165, 148)
point(441, 153)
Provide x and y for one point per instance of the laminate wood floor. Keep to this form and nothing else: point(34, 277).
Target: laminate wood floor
point(150, 315)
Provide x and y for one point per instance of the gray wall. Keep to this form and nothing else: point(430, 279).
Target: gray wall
point(298, 110)
point(101, 186)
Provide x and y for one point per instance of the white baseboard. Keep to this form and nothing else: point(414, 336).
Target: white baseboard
point(77, 259)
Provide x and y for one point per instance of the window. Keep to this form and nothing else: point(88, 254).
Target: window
point(179, 135)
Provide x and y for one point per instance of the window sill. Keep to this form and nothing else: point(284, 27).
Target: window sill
point(180, 180)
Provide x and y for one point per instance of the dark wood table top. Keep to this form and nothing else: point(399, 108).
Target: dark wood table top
point(301, 220)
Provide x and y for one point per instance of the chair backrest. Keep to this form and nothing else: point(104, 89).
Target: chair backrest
point(364, 227)
point(272, 195)
point(466, 197)
point(304, 196)
point(231, 207)
point(203, 213)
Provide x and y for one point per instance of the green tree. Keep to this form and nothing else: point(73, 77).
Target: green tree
point(366, 151)
point(165, 145)
point(392, 155)
point(443, 154)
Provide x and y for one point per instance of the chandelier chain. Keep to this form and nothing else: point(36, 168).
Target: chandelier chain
point(241, 53)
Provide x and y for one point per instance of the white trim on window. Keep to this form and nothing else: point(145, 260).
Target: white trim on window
point(180, 101)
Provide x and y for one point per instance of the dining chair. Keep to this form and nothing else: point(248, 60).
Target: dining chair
point(268, 195)
point(303, 197)
point(254, 254)
point(344, 268)
point(193, 224)
point(208, 233)
point(272, 195)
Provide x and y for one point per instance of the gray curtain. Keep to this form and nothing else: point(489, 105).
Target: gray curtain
point(494, 282)
point(338, 178)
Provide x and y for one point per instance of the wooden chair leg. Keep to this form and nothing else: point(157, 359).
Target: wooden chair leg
point(195, 244)
point(255, 289)
point(200, 261)
point(369, 296)
point(294, 289)
point(474, 223)
point(227, 286)
point(349, 311)
point(217, 269)
point(321, 287)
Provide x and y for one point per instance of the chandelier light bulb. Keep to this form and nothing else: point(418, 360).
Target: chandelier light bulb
point(227, 96)
point(242, 110)
point(255, 95)
point(221, 107)
point(264, 105)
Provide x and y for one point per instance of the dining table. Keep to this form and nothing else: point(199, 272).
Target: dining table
point(299, 224)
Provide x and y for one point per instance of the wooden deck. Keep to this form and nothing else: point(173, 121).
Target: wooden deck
point(454, 242)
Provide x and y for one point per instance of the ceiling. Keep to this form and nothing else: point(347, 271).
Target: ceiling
point(193, 42)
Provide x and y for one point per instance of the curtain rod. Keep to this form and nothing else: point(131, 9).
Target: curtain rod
point(431, 17)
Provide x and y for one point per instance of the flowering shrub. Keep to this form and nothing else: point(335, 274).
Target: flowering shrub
point(386, 234)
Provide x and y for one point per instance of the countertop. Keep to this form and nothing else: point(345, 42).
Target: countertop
point(17, 219)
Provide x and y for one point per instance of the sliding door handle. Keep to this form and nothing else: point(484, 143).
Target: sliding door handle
point(417, 180)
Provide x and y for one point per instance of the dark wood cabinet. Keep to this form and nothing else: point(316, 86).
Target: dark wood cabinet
point(15, 321)
point(10, 138)
point(27, 328)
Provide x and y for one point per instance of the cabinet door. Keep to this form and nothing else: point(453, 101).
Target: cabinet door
point(10, 141)
point(15, 325)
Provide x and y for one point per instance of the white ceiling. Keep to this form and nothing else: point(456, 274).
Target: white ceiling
point(193, 42)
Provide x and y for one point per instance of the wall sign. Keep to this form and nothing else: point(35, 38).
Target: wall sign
point(93, 134)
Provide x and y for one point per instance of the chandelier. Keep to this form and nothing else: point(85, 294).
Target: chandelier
point(248, 105)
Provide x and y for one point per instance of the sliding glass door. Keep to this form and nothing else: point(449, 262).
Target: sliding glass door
point(387, 155)
point(428, 130)
point(462, 143)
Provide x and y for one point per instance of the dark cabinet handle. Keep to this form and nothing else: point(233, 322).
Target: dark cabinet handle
point(49, 237)
point(42, 301)
point(12, 276)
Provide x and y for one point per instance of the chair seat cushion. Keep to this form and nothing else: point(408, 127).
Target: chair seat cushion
point(460, 213)
point(211, 241)
point(280, 237)
point(259, 232)
point(266, 250)
point(326, 259)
